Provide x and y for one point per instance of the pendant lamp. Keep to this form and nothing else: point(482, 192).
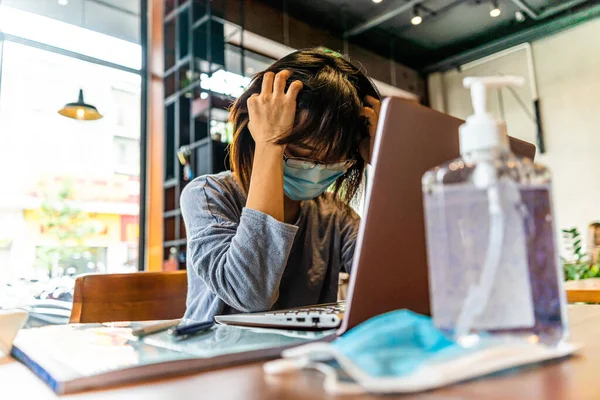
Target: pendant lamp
point(80, 110)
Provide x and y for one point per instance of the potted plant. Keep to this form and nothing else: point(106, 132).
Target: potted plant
point(577, 265)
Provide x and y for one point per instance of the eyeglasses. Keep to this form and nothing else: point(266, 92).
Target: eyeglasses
point(305, 163)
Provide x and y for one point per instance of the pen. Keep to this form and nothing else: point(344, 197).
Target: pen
point(184, 331)
point(155, 328)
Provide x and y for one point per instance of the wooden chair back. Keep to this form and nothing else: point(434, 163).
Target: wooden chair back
point(140, 296)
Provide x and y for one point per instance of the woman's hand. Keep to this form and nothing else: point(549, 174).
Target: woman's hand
point(372, 114)
point(271, 113)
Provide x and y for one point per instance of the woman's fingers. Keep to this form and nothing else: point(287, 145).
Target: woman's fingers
point(251, 103)
point(271, 113)
point(372, 113)
point(267, 83)
point(280, 80)
point(374, 103)
point(364, 149)
point(293, 90)
point(372, 118)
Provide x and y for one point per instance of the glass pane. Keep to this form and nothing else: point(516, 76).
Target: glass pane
point(183, 37)
point(170, 45)
point(170, 142)
point(69, 198)
point(71, 36)
point(255, 62)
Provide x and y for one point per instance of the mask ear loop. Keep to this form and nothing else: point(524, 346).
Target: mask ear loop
point(332, 383)
point(285, 365)
point(313, 356)
point(297, 358)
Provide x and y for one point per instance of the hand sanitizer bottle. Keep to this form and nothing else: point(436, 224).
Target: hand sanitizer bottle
point(491, 241)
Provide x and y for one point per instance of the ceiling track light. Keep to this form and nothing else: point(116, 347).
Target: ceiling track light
point(519, 16)
point(495, 10)
point(416, 19)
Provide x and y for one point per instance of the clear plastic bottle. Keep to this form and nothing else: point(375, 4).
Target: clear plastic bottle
point(492, 250)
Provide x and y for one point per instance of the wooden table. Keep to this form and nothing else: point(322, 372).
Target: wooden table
point(577, 378)
point(584, 290)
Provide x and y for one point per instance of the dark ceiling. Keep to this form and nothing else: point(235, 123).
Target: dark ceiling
point(449, 27)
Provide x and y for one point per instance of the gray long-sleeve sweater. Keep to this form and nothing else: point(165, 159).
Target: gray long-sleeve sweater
point(242, 260)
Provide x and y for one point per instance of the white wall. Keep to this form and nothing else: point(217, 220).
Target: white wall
point(566, 67)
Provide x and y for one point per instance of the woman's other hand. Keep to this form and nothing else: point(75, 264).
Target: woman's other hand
point(271, 113)
point(372, 114)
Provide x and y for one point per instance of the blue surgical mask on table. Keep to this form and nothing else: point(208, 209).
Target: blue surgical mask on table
point(403, 352)
point(306, 184)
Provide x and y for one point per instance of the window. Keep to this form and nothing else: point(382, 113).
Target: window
point(51, 163)
point(126, 107)
point(70, 192)
point(126, 155)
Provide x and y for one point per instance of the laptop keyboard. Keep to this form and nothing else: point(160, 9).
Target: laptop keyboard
point(322, 309)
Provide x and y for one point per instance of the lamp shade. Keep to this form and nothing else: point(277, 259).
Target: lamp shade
point(80, 110)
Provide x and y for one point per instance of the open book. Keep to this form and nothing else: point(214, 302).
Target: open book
point(78, 357)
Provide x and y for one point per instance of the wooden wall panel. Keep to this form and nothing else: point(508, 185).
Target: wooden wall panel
point(377, 67)
point(263, 20)
point(302, 35)
point(410, 80)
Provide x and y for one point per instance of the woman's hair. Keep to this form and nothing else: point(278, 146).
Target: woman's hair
point(328, 115)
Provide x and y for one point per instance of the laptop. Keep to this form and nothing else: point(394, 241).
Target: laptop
point(389, 270)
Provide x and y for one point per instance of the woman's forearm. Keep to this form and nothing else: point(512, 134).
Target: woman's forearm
point(265, 193)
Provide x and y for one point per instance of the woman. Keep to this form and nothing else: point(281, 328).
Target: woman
point(267, 235)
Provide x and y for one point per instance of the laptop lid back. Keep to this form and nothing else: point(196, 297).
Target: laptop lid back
point(390, 266)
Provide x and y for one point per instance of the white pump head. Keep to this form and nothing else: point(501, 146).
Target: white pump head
point(482, 131)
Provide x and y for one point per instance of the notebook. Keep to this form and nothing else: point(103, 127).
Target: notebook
point(72, 358)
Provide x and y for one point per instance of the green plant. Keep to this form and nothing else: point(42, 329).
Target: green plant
point(577, 266)
point(68, 225)
point(572, 238)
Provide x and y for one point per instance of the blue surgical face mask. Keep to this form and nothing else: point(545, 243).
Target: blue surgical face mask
point(306, 184)
point(403, 352)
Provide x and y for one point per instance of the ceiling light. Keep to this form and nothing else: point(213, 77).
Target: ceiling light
point(519, 16)
point(63, 2)
point(416, 19)
point(495, 10)
point(377, 1)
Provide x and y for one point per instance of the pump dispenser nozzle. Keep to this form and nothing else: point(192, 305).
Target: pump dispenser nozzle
point(482, 131)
